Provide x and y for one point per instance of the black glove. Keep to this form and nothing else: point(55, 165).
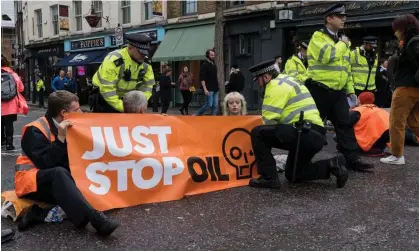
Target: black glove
point(308, 81)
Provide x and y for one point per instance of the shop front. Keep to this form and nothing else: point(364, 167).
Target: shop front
point(184, 45)
point(372, 18)
point(41, 60)
point(251, 39)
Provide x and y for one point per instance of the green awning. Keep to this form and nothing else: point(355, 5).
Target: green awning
point(184, 44)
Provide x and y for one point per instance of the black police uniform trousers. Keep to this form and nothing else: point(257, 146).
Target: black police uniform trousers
point(56, 186)
point(334, 105)
point(282, 136)
point(104, 107)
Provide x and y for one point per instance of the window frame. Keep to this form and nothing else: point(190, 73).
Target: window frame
point(124, 8)
point(185, 4)
point(38, 17)
point(97, 11)
point(78, 17)
point(148, 6)
point(55, 23)
point(238, 4)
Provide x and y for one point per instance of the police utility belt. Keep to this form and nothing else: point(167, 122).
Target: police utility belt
point(307, 126)
point(322, 86)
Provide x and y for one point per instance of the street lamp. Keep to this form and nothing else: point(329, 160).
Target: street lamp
point(93, 19)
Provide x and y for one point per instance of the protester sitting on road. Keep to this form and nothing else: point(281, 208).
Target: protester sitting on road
point(234, 104)
point(283, 101)
point(42, 170)
point(135, 102)
point(371, 126)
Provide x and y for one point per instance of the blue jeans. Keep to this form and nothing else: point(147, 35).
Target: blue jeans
point(210, 101)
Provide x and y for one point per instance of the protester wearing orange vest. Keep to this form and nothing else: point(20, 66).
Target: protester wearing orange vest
point(43, 173)
point(371, 126)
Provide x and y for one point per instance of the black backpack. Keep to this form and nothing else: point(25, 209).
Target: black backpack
point(8, 87)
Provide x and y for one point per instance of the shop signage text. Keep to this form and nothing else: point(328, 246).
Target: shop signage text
point(88, 43)
point(152, 34)
point(52, 51)
point(357, 7)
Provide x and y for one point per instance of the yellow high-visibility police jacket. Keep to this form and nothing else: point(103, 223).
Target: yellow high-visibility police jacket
point(363, 77)
point(329, 62)
point(110, 78)
point(40, 84)
point(295, 68)
point(284, 99)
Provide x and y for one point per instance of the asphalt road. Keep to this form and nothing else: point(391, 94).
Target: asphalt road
point(375, 211)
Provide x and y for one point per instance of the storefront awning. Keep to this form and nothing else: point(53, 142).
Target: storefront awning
point(184, 44)
point(100, 58)
point(78, 58)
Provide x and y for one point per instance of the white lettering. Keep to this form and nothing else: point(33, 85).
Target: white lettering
point(147, 145)
point(161, 132)
point(98, 145)
point(169, 172)
point(137, 177)
point(121, 168)
point(102, 180)
point(116, 151)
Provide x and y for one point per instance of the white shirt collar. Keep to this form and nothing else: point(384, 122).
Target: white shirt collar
point(331, 32)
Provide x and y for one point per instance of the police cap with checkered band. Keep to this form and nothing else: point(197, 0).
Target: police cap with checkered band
point(262, 68)
point(335, 9)
point(140, 41)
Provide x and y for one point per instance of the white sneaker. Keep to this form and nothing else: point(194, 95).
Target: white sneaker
point(392, 160)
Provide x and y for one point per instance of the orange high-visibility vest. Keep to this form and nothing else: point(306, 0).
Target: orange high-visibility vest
point(25, 176)
point(373, 123)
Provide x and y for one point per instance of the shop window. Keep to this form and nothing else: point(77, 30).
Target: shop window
point(189, 7)
point(78, 16)
point(54, 17)
point(126, 12)
point(244, 45)
point(152, 9)
point(99, 11)
point(38, 16)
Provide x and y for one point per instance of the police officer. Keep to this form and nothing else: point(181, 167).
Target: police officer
point(364, 63)
point(296, 66)
point(122, 71)
point(329, 81)
point(283, 101)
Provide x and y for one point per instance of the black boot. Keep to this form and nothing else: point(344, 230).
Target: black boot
point(34, 215)
point(181, 111)
point(9, 143)
point(262, 182)
point(186, 111)
point(358, 165)
point(338, 169)
point(7, 235)
point(103, 225)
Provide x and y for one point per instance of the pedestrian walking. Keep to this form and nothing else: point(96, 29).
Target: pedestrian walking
point(328, 79)
point(60, 82)
point(405, 103)
point(209, 82)
point(284, 100)
point(166, 86)
point(12, 102)
point(185, 85)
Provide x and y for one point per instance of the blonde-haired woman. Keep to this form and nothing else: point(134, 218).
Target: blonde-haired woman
point(234, 105)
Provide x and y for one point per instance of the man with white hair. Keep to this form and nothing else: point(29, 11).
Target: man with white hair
point(135, 102)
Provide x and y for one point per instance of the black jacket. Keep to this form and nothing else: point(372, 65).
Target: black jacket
point(166, 88)
point(236, 82)
point(208, 74)
point(408, 65)
point(41, 152)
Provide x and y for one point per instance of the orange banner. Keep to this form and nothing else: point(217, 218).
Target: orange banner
point(122, 160)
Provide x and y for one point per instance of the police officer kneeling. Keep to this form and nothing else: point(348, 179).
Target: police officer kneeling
point(283, 101)
point(122, 71)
